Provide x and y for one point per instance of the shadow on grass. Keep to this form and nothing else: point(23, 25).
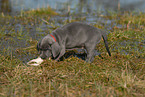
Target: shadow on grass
point(78, 54)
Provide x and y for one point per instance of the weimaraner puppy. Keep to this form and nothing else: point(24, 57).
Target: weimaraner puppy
point(70, 36)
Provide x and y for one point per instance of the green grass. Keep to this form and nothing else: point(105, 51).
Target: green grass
point(119, 75)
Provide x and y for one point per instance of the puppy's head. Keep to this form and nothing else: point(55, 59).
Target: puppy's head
point(48, 47)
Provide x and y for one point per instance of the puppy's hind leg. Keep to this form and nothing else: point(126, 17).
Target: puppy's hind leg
point(90, 52)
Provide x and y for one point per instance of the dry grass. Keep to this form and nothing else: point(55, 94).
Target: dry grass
point(112, 76)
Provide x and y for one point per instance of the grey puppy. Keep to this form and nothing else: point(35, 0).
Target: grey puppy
point(70, 36)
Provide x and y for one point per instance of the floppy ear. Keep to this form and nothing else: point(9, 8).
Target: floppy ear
point(55, 49)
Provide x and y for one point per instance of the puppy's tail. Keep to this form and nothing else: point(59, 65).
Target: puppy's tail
point(105, 41)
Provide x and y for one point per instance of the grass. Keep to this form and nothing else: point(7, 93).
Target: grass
point(122, 74)
point(113, 76)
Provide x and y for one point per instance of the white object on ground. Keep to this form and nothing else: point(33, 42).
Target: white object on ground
point(35, 62)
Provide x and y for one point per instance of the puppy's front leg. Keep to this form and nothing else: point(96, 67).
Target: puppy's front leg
point(62, 52)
